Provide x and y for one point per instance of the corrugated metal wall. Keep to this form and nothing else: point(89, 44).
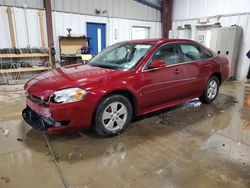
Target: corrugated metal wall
point(187, 9)
point(77, 23)
point(23, 3)
point(188, 12)
point(26, 27)
point(129, 9)
point(28, 32)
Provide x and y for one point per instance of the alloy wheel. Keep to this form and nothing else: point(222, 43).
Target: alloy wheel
point(114, 116)
point(212, 89)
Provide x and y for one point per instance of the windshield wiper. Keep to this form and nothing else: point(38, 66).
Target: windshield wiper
point(103, 66)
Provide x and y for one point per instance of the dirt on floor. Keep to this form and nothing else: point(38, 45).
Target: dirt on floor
point(186, 146)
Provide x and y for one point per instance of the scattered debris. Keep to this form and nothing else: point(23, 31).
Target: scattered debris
point(81, 156)
point(5, 131)
point(159, 171)
point(196, 104)
point(70, 156)
point(19, 139)
point(223, 145)
point(6, 179)
point(222, 111)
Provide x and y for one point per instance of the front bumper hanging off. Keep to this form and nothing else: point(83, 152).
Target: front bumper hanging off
point(37, 121)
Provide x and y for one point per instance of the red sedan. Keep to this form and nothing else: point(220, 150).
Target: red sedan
point(128, 79)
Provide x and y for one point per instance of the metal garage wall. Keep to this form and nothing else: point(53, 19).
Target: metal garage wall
point(116, 8)
point(117, 29)
point(26, 27)
point(23, 3)
point(187, 9)
point(129, 9)
point(231, 12)
point(27, 30)
point(4, 29)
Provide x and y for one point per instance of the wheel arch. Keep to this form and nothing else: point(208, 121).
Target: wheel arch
point(126, 93)
point(218, 75)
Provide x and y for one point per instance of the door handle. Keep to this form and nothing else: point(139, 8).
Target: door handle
point(206, 65)
point(177, 71)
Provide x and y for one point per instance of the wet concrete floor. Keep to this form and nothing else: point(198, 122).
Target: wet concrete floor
point(187, 146)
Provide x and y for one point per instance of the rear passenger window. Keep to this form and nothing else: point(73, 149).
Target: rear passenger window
point(168, 53)
point(191, 52)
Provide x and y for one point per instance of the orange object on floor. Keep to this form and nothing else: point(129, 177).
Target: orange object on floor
point(247, 101)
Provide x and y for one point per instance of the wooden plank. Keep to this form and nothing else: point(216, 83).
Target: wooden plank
point(29, 69)
point(40, 14)
point(5, 56)
point(11, 27)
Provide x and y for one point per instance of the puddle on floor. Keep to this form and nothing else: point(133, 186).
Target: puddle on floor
point(189, 145)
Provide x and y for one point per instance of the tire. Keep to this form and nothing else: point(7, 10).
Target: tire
point(112, 116)
point(211, 90)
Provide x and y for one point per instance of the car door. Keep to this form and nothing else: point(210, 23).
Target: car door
point(195, 67)
point(163, 84)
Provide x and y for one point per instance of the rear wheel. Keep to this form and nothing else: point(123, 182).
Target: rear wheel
point(211, 90)
point(113, 115)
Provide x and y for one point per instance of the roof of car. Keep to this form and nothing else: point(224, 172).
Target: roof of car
point(155, 41)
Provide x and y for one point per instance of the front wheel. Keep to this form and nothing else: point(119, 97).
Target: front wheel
point(211, 90)
point(113, 115)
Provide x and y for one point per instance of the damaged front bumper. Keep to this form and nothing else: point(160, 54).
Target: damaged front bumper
point(58, 118)
point(40, 122)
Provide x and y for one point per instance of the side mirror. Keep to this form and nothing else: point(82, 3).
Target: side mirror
point(157, 64)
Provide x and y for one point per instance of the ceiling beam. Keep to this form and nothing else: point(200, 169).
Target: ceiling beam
point(150, 4)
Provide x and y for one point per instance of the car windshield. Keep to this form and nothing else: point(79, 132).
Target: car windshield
point(121, 56)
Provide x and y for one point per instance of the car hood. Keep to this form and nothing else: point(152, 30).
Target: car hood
point(45, 84)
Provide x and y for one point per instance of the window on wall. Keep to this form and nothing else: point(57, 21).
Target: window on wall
point(140, 33)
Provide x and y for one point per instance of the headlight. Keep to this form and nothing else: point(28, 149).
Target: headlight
point(68, 95)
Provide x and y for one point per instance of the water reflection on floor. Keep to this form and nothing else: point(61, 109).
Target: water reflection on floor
point(189, 145)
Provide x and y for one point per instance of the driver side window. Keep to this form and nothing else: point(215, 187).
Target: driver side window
point(168, 53)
